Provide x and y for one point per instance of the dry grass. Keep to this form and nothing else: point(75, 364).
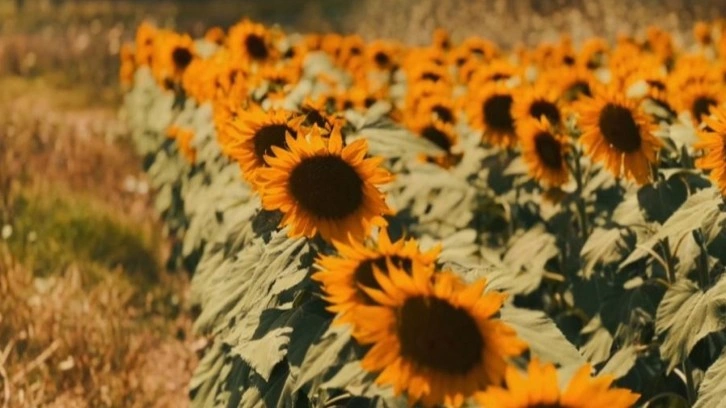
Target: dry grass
point(65, 344)
point(88, 317)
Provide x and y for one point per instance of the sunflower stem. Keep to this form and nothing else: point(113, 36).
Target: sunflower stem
point(690, 384)
point(580, 200)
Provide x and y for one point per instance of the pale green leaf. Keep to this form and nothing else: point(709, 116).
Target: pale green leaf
point(545, 339)
point(712, 391)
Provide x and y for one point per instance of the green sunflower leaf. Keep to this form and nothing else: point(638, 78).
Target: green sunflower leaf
point(545, 339)
point(712, 391)
point(687, 314)
point(700, 211)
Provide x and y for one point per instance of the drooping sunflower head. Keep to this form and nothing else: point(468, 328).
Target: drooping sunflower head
point(251, 42)
point(322, 187)
point(544, 150)
point(344, 277)
point(438, 340)
point(713, 141)
point(618, 134)
point(540, 389)
point(490, 110)
point(251, 136)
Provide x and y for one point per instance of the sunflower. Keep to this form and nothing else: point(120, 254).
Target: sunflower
point(214, 35)
point(251, 42)
point(250, 136)
point(544, 151)
point(436, 339)
point(436, 107)
point(427, 72)
point(144, 41)
point(494, 71)
point(713, 140)
point(573, 83)
point(314, 112)
point(540, 389)
point(173, 53)
point(593, 53)
point(382, 54)
point(537, 101)
point(128, 65)
point(490, 110)
point(616, 132)
point(441, 39)
point(323, 187)
point(698, 99)
point(343, 277)
point(702, 33)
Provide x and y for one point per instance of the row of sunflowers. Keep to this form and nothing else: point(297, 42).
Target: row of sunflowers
point(376, 224)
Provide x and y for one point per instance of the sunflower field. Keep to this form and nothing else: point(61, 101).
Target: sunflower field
point(370, 223)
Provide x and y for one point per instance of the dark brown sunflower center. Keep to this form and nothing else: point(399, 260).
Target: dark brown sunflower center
point(256, 47)
point(499, 76)
point(268, 136)
point(181, 57)
point(498, 113)
point(382, 59)
point(444, 113)
point(549, 150)
point(578, 89)
point(547, 109)
point(701, 107)
point(653, 83)
point(431, 76)
point(313, 117)
point(568, 60)
point(364, 273)
point(327, 187)
point(439, 336)
point(436, 137)
point(619, 128)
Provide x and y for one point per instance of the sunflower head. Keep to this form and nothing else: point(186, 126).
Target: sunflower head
point(540, 389)
point(618, 134)
point(698, 99)
point(251, 42)
point(173, 53)
point(344, 277)
point(490, 110)
point(252, 134)
point(435, 338)
point(144, 43)
point(544, 150)
point(322, 187)
point(215, 35)
point(713, 141)
point(536, 102)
